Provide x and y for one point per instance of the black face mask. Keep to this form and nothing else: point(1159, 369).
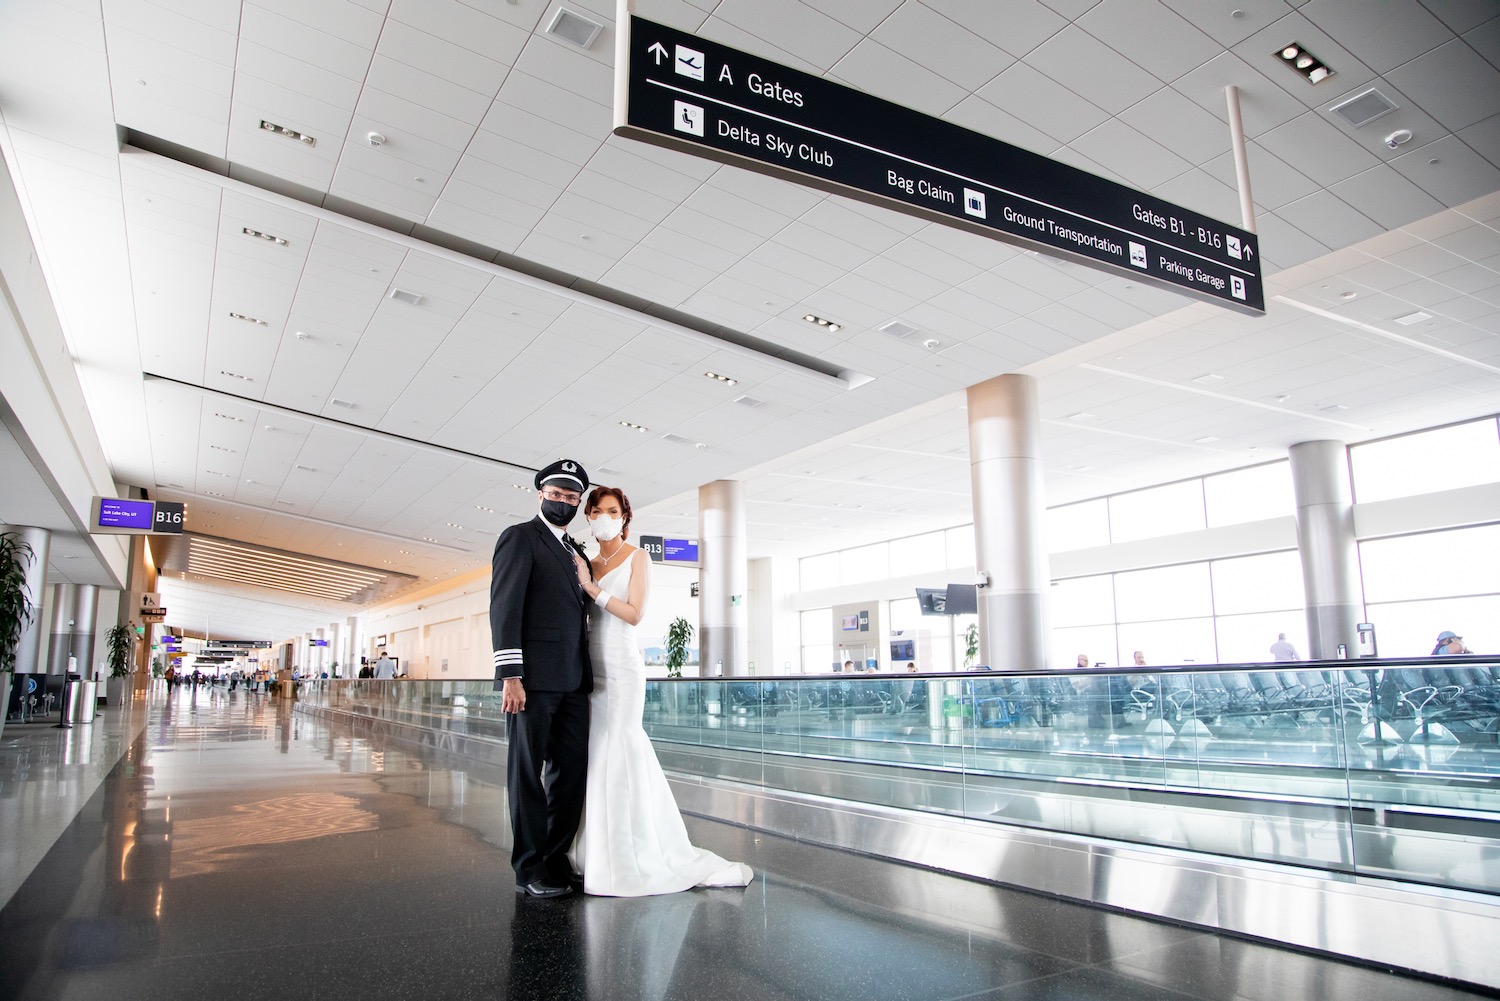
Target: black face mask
point(559, 513)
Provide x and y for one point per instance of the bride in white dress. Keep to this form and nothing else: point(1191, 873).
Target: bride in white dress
point(632, 842)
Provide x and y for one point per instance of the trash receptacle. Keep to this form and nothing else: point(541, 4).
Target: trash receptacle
point(81, 704)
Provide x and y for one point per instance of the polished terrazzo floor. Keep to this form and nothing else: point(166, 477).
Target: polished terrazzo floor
point(240, 850)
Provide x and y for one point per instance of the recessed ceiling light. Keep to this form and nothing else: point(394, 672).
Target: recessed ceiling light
point(1346, 296)
point(410, 298)
point(264, 236)
point(721, 378)
point(1332, 407)
point(1313, 69)
point(1411, 318)
point(520, 486)
point(282, 130)
point(828, 324)
point(481, 507)
point(428, 538)
point(635, 427)
point(452, 525)
point(229, 417)
point(248, 319)
point(221, 448)
point(235, 375)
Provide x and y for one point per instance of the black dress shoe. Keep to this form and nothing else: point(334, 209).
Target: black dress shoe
point(543, 889)
point(575, 880)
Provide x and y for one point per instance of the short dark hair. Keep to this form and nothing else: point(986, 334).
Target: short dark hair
point(599, 493)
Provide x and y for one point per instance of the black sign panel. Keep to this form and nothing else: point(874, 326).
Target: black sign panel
point(168, 518)
point(691, 94)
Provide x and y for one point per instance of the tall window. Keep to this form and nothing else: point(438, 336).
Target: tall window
point(1252, 494)
point(1426, 462)
point(1416, 586)
point(1147, 514)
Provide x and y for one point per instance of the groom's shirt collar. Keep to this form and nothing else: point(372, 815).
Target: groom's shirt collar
point(557, 533)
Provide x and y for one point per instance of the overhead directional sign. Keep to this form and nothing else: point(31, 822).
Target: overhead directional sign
point(125, 516)
point(677, 90)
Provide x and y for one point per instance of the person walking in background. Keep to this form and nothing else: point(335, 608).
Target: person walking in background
point(385, 668)
point(1449, 642)
point(1282, 650)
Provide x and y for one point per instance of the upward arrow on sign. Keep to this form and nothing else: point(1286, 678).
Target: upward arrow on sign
point(659, 51)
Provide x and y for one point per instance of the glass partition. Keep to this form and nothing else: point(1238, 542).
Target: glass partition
point(1388, 768)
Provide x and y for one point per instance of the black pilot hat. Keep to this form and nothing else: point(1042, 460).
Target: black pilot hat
point(564, 473)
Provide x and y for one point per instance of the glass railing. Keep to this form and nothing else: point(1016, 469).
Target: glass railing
point(1387, 768)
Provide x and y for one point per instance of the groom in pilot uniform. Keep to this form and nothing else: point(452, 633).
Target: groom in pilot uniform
point(539, 632)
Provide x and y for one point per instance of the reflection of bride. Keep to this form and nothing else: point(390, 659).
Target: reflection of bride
point(632, 842)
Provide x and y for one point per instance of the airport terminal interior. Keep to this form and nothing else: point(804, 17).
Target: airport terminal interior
point(1068, 429)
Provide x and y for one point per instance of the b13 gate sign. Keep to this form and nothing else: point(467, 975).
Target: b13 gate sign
point(677, 90)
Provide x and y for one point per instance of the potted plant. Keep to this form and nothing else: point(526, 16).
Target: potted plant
point(971, 644)
point(679, 635)
point(117, 646)
point(16, 607)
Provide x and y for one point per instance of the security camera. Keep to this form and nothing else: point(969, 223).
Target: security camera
point(981, 579)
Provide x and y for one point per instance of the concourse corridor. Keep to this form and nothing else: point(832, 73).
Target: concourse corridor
point(239, 849)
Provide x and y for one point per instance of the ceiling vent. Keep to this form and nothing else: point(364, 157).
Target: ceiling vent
point(1363, 108)
point(899, 330)
point(749, 401)
point(410, 298)
point(342, 403)
point(575, 28)
point(675, 439)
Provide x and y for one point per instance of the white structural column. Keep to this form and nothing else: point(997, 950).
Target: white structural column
point(59, 647)
point(29, 647)
point(1325, 542)
point(83, 643)
point(1005, 468)
point(351, 642)
point(724, 579)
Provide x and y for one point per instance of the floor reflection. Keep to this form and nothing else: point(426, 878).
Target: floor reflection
point(242, 851)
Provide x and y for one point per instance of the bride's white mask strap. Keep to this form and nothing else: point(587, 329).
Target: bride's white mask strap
point(605, 527)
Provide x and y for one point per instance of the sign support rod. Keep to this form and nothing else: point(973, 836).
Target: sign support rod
point(1241, 158)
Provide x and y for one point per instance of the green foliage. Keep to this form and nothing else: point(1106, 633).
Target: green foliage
point(16, 605)
point(157, 668)
point(117, 642)
point(679, 635)
point(971, 644)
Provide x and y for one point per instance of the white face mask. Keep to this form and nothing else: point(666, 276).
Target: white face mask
point(605, 527)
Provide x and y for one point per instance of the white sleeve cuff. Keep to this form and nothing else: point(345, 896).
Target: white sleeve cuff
point(602, 598)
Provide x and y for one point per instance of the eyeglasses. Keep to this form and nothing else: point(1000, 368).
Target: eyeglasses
point(566, 496)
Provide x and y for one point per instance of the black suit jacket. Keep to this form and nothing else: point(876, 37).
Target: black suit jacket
point(538, 612)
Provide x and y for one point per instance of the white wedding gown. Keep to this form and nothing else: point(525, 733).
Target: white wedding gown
point(632, 842)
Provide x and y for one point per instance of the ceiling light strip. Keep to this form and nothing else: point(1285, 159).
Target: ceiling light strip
point(843, 378)
point(338, 425)
point(280, 584)
point(1368, 328)
point(285, 564)
point(272, 565)
point(232, 569)
point(1200, 392)
point(215, 568)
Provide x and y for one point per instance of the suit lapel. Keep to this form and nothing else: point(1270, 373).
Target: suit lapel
point(560, 552)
